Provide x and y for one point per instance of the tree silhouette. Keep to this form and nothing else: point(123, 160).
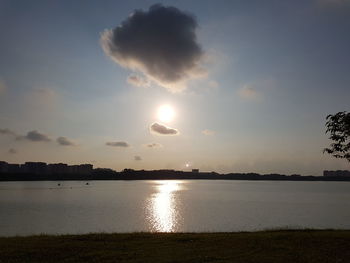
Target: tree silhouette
point(338, 126)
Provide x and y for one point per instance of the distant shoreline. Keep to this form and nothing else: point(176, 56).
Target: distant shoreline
point(223, 178)
point(40, 171)
point(130, 174)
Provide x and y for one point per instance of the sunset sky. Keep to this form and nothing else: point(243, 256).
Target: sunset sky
point(226, 86)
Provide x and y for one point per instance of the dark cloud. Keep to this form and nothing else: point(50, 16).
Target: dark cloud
point(137, 158)
point(65, 141)
point(161, 129)
point(161, 43)
point(153, 145)
point(12, 151)
point(36, 136)
point(117, 144)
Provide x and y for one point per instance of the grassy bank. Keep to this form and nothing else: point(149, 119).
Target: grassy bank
point(267, 246)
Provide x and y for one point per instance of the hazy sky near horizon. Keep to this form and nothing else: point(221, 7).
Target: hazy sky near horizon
point(250, 90)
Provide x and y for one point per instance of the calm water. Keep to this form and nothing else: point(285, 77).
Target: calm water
point(128, 206)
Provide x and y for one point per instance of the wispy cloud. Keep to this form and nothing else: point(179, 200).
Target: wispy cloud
point(333, 2)
point(248, 92)
point(31, 135)
point(8, 132)
point(12, 151)
point(213, 84)
point(153, 145)
point(41, 98)
point(3, 87)
point(137, 158)
point(35, 136)
point(208, 132)
point(138, 81)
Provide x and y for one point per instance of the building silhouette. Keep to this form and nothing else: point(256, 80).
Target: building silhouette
point(41, 168)
point(338, 173)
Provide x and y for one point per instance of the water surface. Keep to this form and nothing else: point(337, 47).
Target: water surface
point(170, 206)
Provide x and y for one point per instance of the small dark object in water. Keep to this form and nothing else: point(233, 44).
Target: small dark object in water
point(59, 184)
point(87, 183)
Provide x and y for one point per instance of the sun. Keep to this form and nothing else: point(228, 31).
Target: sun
point(166, 113)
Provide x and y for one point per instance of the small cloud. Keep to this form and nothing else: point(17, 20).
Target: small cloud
point(153, 145)
point(32, 135)
point(161, 43)
point(161, 129)
point(137, 158)
point(36, 136)
point(118, 144)
point(248, 92)
point(64, 141)
point(12, 151)
point(138, 81)
point(45, 92)
point(208, 132)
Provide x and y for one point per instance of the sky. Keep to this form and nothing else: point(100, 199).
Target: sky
point(225, 86)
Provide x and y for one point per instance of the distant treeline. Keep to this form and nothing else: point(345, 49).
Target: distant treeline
point(129, 174)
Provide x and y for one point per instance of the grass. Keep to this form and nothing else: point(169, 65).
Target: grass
point(266, 246)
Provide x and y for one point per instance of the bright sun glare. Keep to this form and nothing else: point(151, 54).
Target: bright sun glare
point(166, 113)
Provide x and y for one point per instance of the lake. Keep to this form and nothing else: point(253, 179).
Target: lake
point(170, 206)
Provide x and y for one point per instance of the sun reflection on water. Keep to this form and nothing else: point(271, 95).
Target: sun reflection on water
point(162, 207)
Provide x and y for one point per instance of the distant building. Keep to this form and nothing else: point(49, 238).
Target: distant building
point(41, 168)
point(34, 168)
point(195, 170)
point(3, 167)
point(13, 168)
point(338, 173)
point(85, 169)
point(82, 169)
point(9, 168)
point(73, 169)
point(57, 168)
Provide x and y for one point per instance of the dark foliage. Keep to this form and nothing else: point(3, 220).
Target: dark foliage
point(338, 126)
